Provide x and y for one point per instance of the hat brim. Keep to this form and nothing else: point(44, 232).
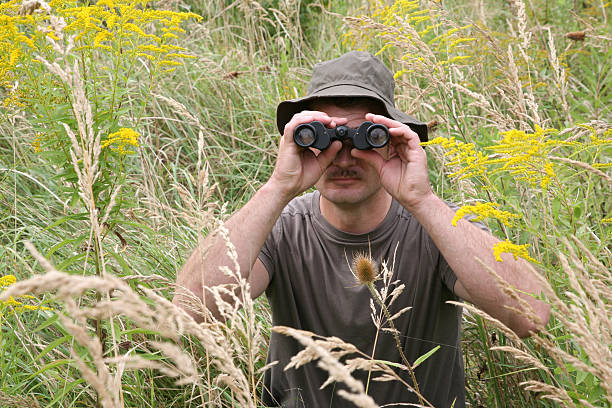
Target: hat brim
point(286, 109)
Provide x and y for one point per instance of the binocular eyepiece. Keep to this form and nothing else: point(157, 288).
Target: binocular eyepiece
point(367, 136)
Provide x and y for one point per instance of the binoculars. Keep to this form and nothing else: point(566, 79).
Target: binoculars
point(367, 136)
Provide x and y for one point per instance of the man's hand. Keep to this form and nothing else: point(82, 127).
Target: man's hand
point(297, 169)
point(404, 175)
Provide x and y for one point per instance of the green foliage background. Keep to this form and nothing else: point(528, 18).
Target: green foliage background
point(213, 115)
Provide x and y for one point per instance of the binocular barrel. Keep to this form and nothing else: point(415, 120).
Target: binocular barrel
point(367, 136)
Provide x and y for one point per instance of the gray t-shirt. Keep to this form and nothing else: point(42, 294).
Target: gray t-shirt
point(312, 288)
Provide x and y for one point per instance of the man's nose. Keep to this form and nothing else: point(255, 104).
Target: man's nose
point(344, 158)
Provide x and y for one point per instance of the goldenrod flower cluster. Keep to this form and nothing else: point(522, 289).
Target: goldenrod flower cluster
point(6, 281)
point(525, 155)
point(123, 29)
point(13, 46)
point(518, 251)
point(522, 154)
point(121, 139)
point(597, 141)
point(482, 211)
point(471, 162)
point(401, 11)
point(124, 26)
point(405, 21)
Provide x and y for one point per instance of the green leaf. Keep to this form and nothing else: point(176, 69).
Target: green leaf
point(580, 376)
point(80, 216)
point(51, 346)
point(577, 211)
point(50, 321)
point(53, 364)
point(424, 357)
point(62, 266)
point(66, 389)
point(65, 242)
point(124, 265)
point(138, 330)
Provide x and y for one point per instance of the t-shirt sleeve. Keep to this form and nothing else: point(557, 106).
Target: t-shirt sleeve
point(268, 254)
point(446, 273)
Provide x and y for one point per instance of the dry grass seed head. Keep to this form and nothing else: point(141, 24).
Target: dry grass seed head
point(337, 371)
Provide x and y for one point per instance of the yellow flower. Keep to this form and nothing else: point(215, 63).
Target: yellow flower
point(121, 139)
point(510, 248)
point(482, 211)
point(6, 281)
point(470, 161)
point(525, 155)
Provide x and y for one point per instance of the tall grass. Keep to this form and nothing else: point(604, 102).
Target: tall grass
point(500, 81)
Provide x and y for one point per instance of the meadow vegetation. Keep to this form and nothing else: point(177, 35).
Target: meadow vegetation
point(129, 130)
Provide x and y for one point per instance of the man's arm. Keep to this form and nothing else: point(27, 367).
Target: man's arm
point(295, 171)
point(248, 229)
point(405, 177)
point(461, 246)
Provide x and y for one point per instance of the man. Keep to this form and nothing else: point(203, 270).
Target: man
point(375, 201)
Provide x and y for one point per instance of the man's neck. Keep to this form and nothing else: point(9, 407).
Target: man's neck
point(358, 218)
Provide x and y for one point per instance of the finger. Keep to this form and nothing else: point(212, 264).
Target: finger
point(325, 157)
point(405, 135)
point(329, 121)
point(310, 116)
point(383, 120)
point(338, 121)
point(317, 115)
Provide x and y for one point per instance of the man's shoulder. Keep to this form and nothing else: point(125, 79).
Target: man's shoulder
point(301, 205)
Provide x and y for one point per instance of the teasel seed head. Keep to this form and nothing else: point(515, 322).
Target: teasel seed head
point(576, 35)
point(364, 269)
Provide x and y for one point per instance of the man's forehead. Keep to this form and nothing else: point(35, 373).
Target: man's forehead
point(358, 108)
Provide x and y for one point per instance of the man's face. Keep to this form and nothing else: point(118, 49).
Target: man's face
point(348, 181)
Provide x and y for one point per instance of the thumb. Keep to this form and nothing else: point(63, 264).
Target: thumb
point(328, 155)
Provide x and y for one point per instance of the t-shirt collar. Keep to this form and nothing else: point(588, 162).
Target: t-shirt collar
point(383, 228)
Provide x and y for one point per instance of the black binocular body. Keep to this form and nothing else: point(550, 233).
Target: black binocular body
point(367, 136)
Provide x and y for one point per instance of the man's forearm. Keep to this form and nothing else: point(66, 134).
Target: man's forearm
point(248, 229)
point(461, 245)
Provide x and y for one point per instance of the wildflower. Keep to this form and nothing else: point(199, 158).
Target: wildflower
point(482, 211)
point(36, 142)
point(122, 138)
point(8, 280)
point(464, 155)
point(510, 248)
point(525, 155)
point(364, 269)
point(548, 170)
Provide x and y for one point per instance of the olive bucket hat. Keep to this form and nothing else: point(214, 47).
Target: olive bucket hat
point(354, 74)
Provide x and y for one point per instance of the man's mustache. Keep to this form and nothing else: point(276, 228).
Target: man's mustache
point(343, 173)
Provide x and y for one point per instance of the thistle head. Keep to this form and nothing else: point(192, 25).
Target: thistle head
point(364, 269)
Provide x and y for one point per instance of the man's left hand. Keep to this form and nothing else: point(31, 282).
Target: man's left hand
point(404, 174)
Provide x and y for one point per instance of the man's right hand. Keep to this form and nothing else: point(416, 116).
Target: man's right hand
point(297, 169)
